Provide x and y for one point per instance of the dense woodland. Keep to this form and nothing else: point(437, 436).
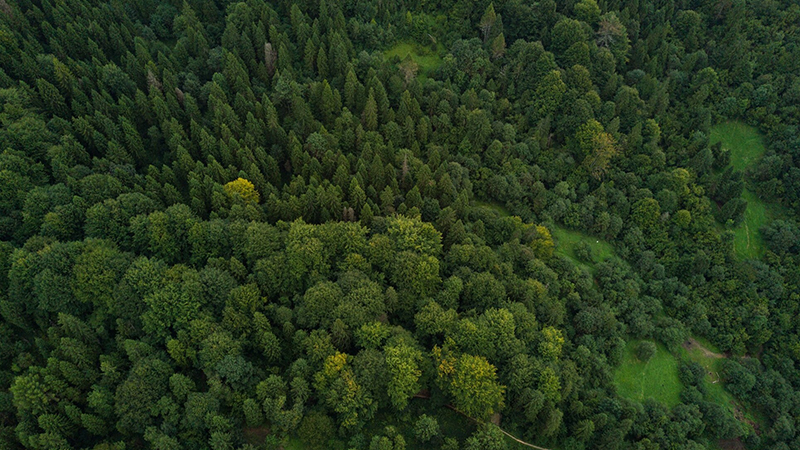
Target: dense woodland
point(239, 225)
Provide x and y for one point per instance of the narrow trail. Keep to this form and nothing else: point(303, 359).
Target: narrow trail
point(498, 427)
point(692, 343)
point(747, 233)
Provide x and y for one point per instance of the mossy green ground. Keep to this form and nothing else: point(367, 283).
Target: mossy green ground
point(496, 207)
point(746, 145)
point(657, 378)
point(427, 57)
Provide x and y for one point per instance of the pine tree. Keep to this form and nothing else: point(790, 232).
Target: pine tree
point(487, 22)
point(370, 115)
point(350, 89)
point(498, 46)
point(322, 63)
point(327, 103)
point(51, 98)
point(310, 55)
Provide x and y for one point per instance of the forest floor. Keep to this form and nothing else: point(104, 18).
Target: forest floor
point(746, 145)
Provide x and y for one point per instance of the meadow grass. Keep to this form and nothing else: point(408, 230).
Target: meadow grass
point(657, 378)
point(565, 239)
point(712, 365)
point(496, 207)
point(747, 241)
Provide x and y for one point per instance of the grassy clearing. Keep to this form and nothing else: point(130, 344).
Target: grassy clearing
point(746, 145)
point(656, 378)
point(427, 58)
point(744, 142)
point(566, 240)
point(705, 354)
point(710, 359)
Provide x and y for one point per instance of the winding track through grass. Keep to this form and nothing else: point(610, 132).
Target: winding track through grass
point(746, 146)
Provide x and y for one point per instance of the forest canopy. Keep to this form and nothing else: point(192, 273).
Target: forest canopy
point(378, 225)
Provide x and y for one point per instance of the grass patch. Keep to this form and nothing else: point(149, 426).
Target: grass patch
point(496, 207)
point(566, 240)
point(746, 146)
point(711, 361)
point(657, 378)
point(427, 58)
point(745, 143)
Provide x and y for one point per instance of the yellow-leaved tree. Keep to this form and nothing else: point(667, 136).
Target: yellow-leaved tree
point(541, 241)
point(243, 189)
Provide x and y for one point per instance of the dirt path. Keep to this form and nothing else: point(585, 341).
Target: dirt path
point(527, 444)
point(747, 233)
point(692, 344)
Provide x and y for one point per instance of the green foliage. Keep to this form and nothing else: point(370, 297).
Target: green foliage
point(426, 428)
point(315, 431)
point(471, 381)
point(489, 438)
point(146, 383)
point(233, 226)
point(403, 361)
